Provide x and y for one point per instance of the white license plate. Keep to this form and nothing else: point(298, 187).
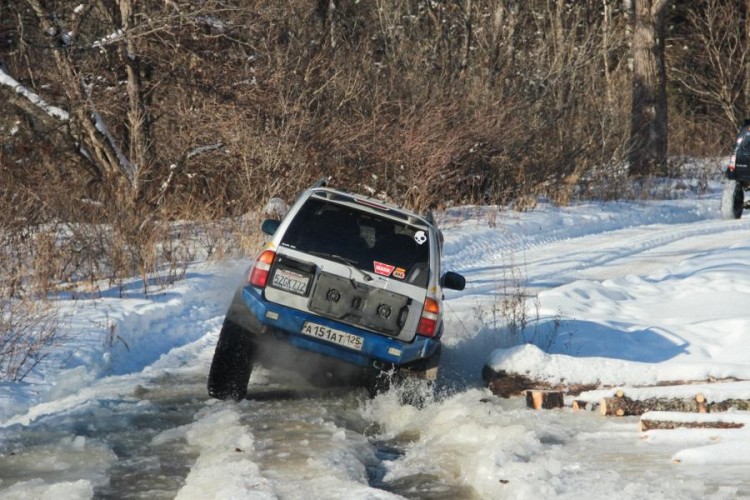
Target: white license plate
point(290, 281)
point(334, 336)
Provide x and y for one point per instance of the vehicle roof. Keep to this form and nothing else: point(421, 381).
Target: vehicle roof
point(372, 204)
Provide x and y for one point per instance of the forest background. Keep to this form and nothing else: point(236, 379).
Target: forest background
point(123, 119)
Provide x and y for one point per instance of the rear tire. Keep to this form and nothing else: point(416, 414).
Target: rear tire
point(426, 369)
point(232, 363)
point(732, 200)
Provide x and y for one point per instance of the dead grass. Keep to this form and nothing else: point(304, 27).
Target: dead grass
point(29, 332)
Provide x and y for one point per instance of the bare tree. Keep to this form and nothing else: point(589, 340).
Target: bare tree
point(714, 67)
point(648, 131)
point(98, 146)
point(273, 94)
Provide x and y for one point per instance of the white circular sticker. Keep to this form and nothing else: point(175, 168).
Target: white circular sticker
point(420, 237)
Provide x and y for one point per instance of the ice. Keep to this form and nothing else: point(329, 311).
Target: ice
point(36, 489)
point(225, 467)
point(69, 467)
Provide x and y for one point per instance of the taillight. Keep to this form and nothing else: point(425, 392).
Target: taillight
point(259, 274)
point(732, 162)
point(428, 322)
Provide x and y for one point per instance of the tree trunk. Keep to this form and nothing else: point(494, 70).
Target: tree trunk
point(468, 37)
point(98, 147)
point(747, 64)
point(503, 50)
point(648, 132)
point(137, 117)
point(606, 27)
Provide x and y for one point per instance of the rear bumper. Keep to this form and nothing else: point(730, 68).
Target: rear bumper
point(270, 323)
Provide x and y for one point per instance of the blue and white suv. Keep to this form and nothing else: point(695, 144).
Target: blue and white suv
point(346, 288)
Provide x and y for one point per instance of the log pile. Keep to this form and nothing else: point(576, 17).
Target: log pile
point(680, 410)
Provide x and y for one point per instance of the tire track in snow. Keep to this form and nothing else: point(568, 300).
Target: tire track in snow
point(597, 256)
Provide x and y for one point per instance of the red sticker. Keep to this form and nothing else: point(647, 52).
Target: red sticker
point(383, 269)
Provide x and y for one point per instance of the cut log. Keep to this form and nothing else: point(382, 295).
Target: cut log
point(621, 405)
point(700, 401)
point(647, 425)
point(737, 404)
point(512, 385)
point(505, 384)
point(674, 420)
point(547, 400)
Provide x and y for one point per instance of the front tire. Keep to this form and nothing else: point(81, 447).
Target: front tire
point(732, 200)
point(232, 363)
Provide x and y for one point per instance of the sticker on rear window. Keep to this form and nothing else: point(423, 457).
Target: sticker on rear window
point(383, 269)
point(420, 237)
point(399, 273)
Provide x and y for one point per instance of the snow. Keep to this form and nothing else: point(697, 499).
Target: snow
point(625, 295)
point(224, 446)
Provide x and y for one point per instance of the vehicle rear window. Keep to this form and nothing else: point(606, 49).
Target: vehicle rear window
point(368, 241)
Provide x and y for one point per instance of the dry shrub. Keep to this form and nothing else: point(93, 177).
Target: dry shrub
point(426, 104)
point(28, 333)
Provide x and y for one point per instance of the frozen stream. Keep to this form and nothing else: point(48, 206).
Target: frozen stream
point(141, 425)
point(305, 443)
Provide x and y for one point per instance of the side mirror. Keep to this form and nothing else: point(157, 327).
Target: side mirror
point(453, 281)
point(270, 226)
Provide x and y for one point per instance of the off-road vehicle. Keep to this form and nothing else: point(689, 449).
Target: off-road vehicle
point(346, 288)
point(737, 175)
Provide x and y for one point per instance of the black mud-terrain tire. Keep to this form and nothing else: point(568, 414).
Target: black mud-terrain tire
point(232, 363)
point(732, 200)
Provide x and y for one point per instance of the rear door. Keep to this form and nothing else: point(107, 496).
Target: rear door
point(353, 265)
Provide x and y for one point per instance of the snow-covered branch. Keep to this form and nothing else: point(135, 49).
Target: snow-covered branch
point(204, 149)
point(125, 164)
point(53, 111)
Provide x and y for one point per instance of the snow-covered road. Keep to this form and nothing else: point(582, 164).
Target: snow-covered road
point(636, 291)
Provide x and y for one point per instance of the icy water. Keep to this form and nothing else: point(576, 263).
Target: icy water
point(314, 443)
point(118, 446)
